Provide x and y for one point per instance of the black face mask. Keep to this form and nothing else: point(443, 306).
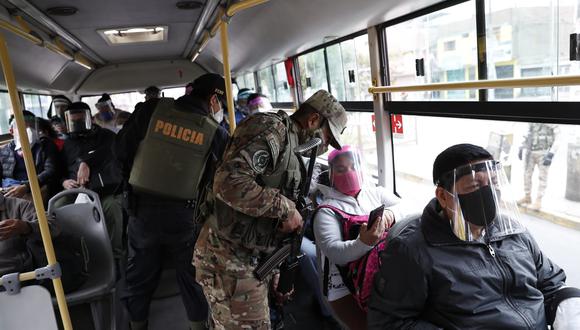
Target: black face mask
point(478, 207)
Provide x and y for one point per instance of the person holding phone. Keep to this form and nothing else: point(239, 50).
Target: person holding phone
point(349, 194)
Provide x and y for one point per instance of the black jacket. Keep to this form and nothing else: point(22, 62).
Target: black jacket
point(135, 129)
point(45, 157)
point(95, 149)
point(429, 279)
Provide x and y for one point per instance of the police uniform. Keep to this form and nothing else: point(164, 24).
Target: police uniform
point(254, 189)
point(540, 148)
point(168, 151)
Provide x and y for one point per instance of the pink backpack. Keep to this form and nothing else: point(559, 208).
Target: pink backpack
point(357, 275)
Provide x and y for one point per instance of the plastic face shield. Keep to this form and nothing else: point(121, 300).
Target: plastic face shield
point(260, 104)
point(78, 121)
point(104, 105)
point(483, 207)
point(346, 173)
point(60, 107)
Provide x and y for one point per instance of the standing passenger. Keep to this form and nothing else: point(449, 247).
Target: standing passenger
point(255, 191)
point(169, 150)
point(108, 116)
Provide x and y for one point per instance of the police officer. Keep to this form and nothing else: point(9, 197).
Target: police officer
point(168, 152)
point(539, 146)
point(254, 192)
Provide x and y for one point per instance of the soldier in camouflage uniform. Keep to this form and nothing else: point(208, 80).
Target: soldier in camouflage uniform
point(254, 192)
point(539, 146)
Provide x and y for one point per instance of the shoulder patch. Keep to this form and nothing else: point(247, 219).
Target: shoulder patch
point(260, 161)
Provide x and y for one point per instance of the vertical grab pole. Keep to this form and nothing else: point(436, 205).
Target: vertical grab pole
point(228, 75)
point(33, 180)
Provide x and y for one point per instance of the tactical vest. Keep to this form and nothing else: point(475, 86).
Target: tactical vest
point(260, 234)
point(542, 136)
point(172, 157)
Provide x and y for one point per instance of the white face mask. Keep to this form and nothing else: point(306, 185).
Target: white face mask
point(218, 116)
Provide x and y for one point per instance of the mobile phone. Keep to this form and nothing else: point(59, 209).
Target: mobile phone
point(376, 213)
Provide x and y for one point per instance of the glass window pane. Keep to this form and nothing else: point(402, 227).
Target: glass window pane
point(510, 26)
point(423, 136)
point(349, 66)
point(282, 87)
point(363, 66)
point(266, 83)
point(569, 16)
point(174, 92)
point(32, 104)
point(336, 72)
point(121, 101)
point(446, 43)
point(5, 112)
point(312, 73)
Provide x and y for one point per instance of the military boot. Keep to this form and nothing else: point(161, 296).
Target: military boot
point(526, 200)
point(537, 205)
point(139, 325)
point(198, 325)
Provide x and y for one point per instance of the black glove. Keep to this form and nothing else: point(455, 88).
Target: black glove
point(520, 153)
point(548, 158)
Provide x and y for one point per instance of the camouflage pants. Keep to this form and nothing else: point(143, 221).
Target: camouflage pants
point(533, 159)
point(236, 299)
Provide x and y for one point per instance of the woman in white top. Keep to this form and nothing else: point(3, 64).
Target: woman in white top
point(348, 194)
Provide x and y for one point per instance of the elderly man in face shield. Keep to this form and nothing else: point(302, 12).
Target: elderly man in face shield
point(468, 262)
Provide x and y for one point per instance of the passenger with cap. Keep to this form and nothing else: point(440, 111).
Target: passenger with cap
point(15, 182)
point(349, 198)
point(258, 103)
point(58, 106)
point(468, 262)
point(254, 194)
point(90, 164)
point(169, 151)
point(108, 116)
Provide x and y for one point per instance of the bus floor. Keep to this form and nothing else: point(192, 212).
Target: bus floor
point(167, 311)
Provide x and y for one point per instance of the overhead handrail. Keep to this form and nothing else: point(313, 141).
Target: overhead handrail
point(33, 181)
point(56, 46)
point(544, 81)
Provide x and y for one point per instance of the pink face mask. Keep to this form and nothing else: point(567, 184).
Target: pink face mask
point(347, 183)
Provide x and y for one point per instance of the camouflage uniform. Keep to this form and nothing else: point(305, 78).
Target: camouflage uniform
point(539, 143)
point(224, 265)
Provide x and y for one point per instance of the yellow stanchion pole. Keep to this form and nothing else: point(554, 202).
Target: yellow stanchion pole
point(228, 76)
point(31, 172)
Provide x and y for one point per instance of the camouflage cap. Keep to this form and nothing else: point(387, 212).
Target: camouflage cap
point(333, 111)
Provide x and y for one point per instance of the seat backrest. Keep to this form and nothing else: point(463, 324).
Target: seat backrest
point(87, 220)
point(30, 309)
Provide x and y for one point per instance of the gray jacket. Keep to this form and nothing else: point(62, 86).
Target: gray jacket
point(14, 257)
point(429, 279)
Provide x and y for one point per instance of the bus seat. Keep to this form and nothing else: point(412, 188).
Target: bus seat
point(30, 309)
point(401, 224)
point(87, 220)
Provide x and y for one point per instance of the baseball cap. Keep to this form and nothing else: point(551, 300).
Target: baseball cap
point(327, 105)
point(208, 84)
point(455, 156)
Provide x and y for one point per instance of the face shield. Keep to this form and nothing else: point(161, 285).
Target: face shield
point(482, 207)
point(259, 104)
point(31, 131)
point(345, 171)
point(78, 120)
point(60, 106)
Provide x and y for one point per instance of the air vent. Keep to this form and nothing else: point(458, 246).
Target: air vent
point(186, 5)
point(61, 11)
point(134, 35)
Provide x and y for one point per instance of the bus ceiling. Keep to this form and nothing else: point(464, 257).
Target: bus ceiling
point(78, 54)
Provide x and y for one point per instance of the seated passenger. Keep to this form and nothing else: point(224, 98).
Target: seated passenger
point(349, 196)
point(108, 116)
point(18, 223)
point(258, 103)
point(242, 101)
point(467, 262)
point(90, 163)
point(14, 177)
point(58, 106)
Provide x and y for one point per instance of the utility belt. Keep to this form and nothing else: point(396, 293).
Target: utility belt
point(132, 201)
point(254, 235)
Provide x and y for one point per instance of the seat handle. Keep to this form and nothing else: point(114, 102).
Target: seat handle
point(93, 196)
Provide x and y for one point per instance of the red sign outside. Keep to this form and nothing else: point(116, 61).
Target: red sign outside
point(397, 124)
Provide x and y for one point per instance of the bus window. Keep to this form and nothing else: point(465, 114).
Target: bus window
point(552, 223)
point(282, 87)
point(246, 81)
point(5, 112)
point(349, 69)
point(122, 101)
point(174, 92)
point(266, 83)
point(37, 104)
point(312, 73)
point(445, 42)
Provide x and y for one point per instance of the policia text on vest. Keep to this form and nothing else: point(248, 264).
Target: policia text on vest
point(172, 157)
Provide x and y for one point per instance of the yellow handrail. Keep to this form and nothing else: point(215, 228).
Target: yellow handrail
point(237, 7)
point(228, 76)
point(546, 81)
point(32, 179)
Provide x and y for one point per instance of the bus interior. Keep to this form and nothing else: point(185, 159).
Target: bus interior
point(287, 50)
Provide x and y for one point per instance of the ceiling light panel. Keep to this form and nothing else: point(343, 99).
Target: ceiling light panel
point(134, 35)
